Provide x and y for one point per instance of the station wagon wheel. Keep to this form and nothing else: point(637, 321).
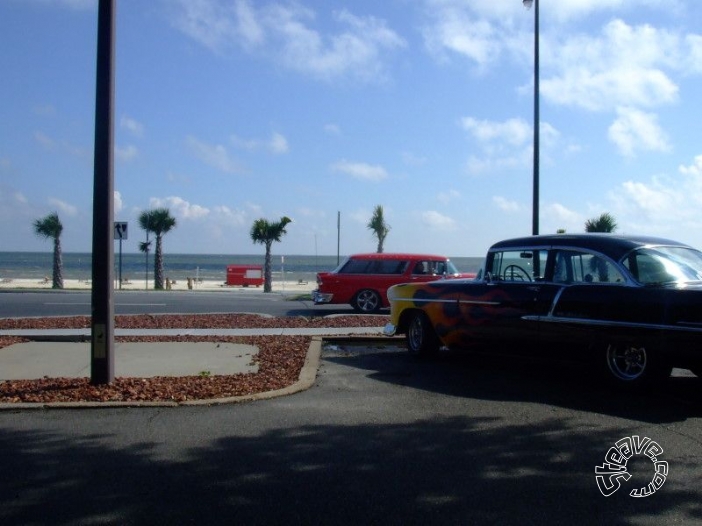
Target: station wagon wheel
point(421, 337)
point(366, 301)
point(634, 366)
point(516, 273)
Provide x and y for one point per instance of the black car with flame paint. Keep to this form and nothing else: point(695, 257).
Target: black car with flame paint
point(630, 304)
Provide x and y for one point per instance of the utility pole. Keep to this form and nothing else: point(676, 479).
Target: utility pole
point(102, 370)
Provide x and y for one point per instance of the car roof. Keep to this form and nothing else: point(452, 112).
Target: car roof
point(395, 255)
point(613, 245)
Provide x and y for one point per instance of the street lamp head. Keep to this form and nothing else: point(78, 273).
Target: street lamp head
point(528, 3)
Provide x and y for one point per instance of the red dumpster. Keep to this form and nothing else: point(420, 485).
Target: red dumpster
point(245, 275)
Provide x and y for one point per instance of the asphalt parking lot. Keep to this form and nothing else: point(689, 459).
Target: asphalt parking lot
point(381, 438)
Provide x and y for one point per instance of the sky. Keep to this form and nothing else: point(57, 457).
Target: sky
point(228, 111)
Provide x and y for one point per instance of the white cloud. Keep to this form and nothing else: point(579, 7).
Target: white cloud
point(118, 204)
point(505, 144)
point(63, 207)
point(218, 25)
point(332, 129)
point(411, 159)
point(128, 153)
point(654, 198)
point(44, 140)
point(448, 196)
point(276, 145)
point(356, 50)
point(694, 57)
point(230, 216)
point(181, 208)
point(695, 169)
point(364, 171)
point(505, 204)
point(635, 130)
point(286, 33)
point(562, 212)
point(78, 5)
point(512, 131)
point(454, 28)
point(625, 65)
point(477, 166)
point(661, 204)
point(132, 126)
point(438, 221)
point(213, 155)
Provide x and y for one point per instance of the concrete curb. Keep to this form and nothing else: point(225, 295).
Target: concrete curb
point(306, 379)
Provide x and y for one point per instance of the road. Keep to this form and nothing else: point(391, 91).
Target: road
point(381, 438)
point(74, 303)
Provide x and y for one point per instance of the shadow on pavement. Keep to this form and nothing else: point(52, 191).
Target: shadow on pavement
point(459, 470)
point(521, 379)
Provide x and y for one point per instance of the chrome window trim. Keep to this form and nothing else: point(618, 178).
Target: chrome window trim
point(610, 323)
point(629, 279)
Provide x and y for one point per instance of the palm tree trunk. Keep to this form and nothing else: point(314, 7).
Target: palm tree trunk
point(158, 265)
point(267, 273)
point(57, 282)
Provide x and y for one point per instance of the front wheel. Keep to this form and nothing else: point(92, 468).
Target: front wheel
point(366, 301)
point(421, 337)
point(634, 366)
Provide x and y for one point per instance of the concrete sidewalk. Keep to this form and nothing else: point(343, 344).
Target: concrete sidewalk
point(66, 352)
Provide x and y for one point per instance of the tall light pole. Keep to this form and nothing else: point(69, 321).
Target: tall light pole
point(535, 204)
point(102, 369)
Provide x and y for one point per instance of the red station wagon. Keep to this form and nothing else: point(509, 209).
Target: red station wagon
point(362, 280)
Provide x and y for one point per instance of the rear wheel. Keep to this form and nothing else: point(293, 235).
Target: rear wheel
point(366, 301)
point(634, 366)
point(421, 337)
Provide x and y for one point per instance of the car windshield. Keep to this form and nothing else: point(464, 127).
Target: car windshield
point(450, 268)
point(652, 266)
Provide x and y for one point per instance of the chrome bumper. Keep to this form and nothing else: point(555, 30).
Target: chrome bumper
point(320, 297)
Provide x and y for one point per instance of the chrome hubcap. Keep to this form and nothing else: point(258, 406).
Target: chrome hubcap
point(367, 301)
point(626, 362)
point(415, 333)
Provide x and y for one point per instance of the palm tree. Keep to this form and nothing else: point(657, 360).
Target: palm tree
point(50, 227)
point(266, 233)
point(160, 222)
point(604, 223)
point(379, 227)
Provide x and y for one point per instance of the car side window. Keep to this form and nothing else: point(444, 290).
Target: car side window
point(572, 266)
point(421, 268)
point(647, 269)
point(518, 265)
point(438, 268)
point(374, 266)
point(355, 266)
point(388, 266)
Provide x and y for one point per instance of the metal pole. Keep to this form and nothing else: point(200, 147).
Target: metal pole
point(146, 263)
point(338, 236)
point(535, 204)
point(102, 329)
point(120, 263)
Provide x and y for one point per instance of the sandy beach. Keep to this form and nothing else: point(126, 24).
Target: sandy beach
point(194, 285)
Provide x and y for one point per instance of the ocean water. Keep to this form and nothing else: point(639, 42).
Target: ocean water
point(209, 267)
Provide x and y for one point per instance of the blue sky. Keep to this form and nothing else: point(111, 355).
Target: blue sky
point(232, 110)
